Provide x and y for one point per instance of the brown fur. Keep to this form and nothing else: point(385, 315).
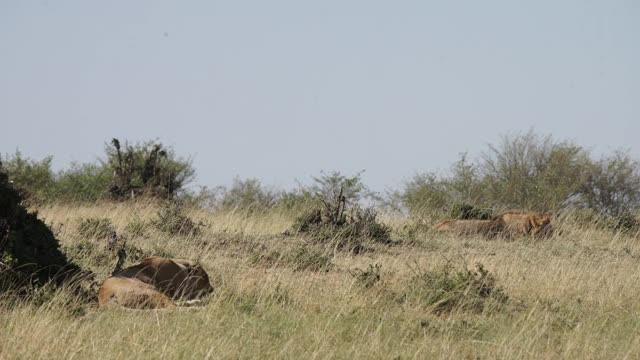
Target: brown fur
point(132, 293)
point(518, 223)
point(154, 276)
point(471, 227)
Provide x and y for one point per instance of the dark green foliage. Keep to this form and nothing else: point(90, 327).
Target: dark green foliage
point(31, 178)
point(466, 211)
point(27, 245)
point(129, 171)
point(81, 183)
point(447, 289)
point(37, 183)
point(172, 220)
point(148, 168)
point(612, 186)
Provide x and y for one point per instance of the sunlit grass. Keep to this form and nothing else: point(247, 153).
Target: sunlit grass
point(575, 295)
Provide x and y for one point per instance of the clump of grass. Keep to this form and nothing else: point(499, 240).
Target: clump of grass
point(96, 228)
point(172, 220)
point(266, 258)
point(159, 250)
point(137, 227)
point(300, 258)
point(410, 233)
point(334, 226)
point(280, 295)
point(91, 255)
point(367, 278)
point(310, 259)
point(249, 302)
point(625, 222)
point(447, 289)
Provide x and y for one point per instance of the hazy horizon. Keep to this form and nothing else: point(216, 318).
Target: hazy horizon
point(281, 91)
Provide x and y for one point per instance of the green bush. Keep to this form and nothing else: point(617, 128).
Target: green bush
point(327, 186)
point(31, 178)
point(129, 171)
point(448, 289)
point(425, 195)
point(612, 187)
point(81, 183)
point(529, 171)
point(248, 195)
point(332, 226)
point(297, 201)
point(147, 168)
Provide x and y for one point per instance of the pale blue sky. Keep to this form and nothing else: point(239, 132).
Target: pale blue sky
point(280, 90)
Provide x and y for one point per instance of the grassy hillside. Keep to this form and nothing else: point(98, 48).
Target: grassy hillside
point(575, 295)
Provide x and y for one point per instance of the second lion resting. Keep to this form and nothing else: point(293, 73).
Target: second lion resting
point(155, 283)
point(508, 224)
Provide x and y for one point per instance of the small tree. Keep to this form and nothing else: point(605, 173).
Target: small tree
point(612, 186)
point(328, 186)
point(465, 184)
point(148, 168)
point(247, 194)
point(532, 172)
point(425, 194)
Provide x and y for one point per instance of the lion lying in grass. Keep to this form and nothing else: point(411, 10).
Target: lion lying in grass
point(154, 283)
point(508, 224)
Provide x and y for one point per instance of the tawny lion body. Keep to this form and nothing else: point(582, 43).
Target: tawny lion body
point(132, 293)
point(155, 283)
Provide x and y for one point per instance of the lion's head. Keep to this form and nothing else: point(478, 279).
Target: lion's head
point(527, 223)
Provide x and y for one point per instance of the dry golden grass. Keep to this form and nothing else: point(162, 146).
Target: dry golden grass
point(575, 295)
